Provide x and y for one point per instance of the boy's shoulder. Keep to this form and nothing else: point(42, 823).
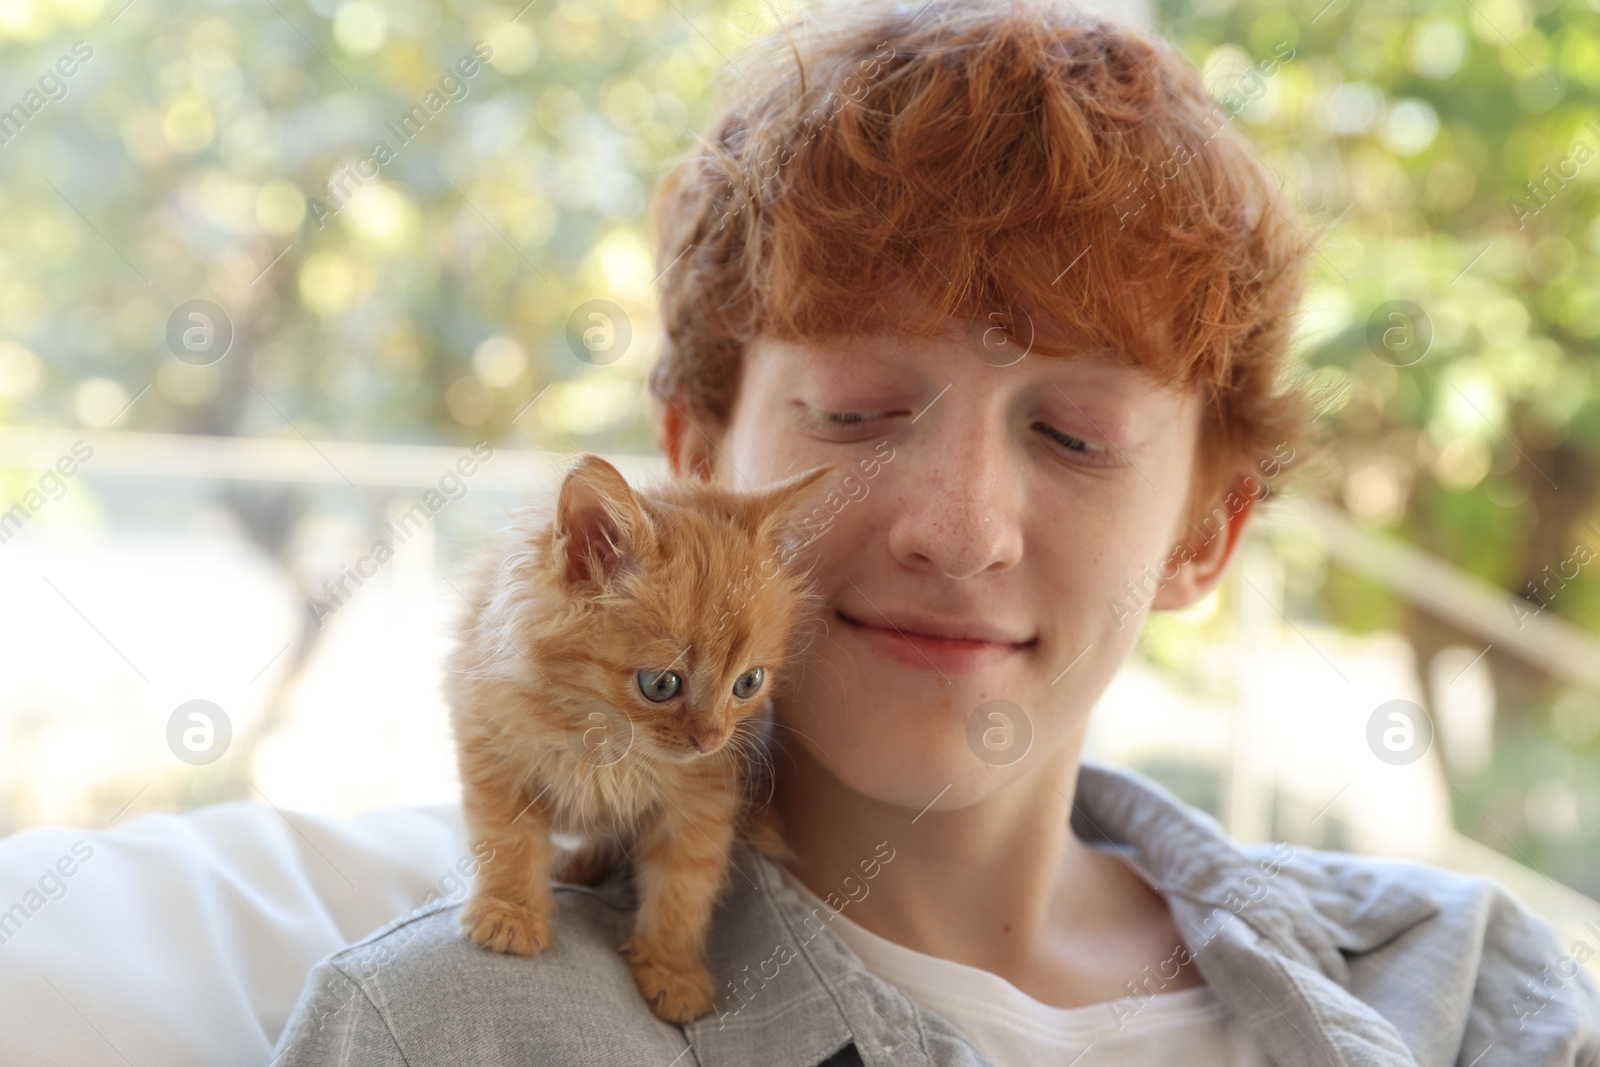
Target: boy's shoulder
point(1372, 899)
point(1467, 947)
point(1438, 962)
point(428, 944)
point(418, 989)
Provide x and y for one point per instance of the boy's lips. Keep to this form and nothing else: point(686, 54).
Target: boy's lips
point(924, 642)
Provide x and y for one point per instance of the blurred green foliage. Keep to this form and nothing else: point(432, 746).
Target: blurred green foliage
point(1473, 429)
point(1457, 146)
point(224, 152)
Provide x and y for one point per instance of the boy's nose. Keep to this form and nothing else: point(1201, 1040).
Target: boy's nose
point(961, 512)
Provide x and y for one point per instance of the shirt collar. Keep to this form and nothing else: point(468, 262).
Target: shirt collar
point(1270, 927)
point(1274, 889)
point(790, 993)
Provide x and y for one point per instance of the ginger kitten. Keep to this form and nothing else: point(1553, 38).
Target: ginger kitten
point(607, 683)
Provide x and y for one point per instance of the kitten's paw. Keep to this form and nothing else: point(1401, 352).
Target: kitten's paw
point(505, 927)
point(676, 992)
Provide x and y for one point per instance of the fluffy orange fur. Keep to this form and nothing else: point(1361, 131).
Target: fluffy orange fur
point(686, 582)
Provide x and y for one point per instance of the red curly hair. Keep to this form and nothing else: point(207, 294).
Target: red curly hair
point(1070, 173)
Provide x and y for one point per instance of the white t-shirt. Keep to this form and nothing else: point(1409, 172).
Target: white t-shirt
point(1190, 1026)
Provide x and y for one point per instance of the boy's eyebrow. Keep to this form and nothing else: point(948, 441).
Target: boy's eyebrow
point(1062, 345)
point(1100, 370)
point(860, 357)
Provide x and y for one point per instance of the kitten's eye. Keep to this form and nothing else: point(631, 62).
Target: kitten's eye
point(749, 683)
point(659, 686)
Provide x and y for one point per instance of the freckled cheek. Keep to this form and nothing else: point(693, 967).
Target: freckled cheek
point(1121, 549)
point(845, 532)
point(1064, 576)
point(765, 451)
point(769, 460)
point(1078, 556)
point(759, 447)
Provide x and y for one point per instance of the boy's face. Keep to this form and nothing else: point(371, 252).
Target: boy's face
point(961, 507)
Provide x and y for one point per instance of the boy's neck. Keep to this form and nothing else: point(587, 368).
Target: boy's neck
point(1002, 885)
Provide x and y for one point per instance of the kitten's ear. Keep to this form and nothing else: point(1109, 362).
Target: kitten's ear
point(600, 524)
point(775, 506)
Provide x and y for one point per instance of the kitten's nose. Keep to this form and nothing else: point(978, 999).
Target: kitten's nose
point(703, 742)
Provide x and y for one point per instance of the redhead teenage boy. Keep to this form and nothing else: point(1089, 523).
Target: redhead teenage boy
point(1008, 255)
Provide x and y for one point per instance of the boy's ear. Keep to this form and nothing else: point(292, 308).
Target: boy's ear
point(1208, 543)
point(687, 448)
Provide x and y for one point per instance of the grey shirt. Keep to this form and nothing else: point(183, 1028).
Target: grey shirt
point(1327, 959)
